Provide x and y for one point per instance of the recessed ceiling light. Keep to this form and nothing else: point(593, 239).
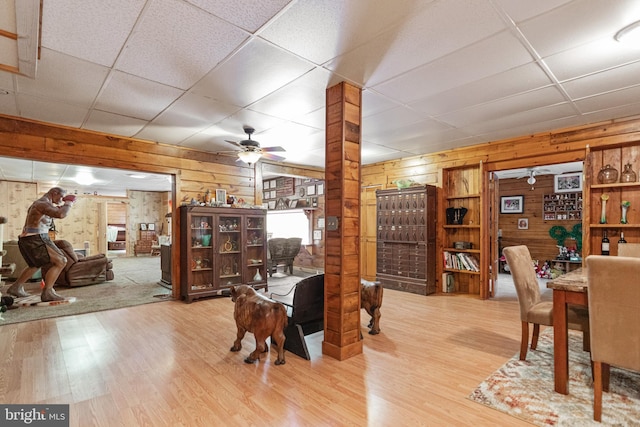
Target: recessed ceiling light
point(136, 175)
point(629, 34)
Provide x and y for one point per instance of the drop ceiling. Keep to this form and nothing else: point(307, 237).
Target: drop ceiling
point(436, 75)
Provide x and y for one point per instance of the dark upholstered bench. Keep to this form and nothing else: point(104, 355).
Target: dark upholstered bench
point(305, 311)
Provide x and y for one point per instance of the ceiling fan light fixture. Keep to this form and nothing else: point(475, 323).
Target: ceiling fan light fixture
point(629, 35)
point(249, 157)
point(531, 180)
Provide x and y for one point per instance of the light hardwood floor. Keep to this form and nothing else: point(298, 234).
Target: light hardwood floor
point(169, 364)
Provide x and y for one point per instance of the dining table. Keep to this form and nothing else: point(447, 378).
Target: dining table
point(570, 288)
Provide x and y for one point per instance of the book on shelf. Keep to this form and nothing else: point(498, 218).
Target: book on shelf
point(461, 261)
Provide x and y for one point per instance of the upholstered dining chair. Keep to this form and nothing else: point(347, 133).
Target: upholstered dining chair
point(629, 249)
point(614, 315)
point(532, 309)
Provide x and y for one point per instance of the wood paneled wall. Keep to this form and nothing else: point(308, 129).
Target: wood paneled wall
point(195, 171)
point(536, 237)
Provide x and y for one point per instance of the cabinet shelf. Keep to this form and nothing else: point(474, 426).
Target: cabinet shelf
point(453, 270)
point(614, 225)
point(616, 185)
point(469, 251)
point(467, 196)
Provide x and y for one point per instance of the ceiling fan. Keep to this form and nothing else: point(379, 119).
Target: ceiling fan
point(250, 149)
point(531, 175)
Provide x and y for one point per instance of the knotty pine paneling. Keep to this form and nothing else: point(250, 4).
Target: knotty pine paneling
point(541, 245)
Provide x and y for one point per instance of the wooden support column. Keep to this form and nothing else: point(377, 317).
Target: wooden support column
point(342, 242)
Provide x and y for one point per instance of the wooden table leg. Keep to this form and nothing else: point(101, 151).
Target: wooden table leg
point(560, 342)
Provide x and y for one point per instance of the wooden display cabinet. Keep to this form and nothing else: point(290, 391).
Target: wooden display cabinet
point(617, 192)
point(223, 247)
point(406, 235)
point(462, 190)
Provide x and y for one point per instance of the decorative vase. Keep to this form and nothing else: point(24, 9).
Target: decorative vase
point(628, 175)
point(257, 277)
point(603, 213)
point(625, 205)
point(206, 240)
point(608, 175)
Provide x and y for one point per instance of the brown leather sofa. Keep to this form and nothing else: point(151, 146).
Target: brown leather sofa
point(81, 270)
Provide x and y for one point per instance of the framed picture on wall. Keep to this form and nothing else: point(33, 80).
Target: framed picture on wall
point(523, 224)
point(567, 182)
point(221, 196)
point(151, 226)
point(511, 204)
point(143, 226)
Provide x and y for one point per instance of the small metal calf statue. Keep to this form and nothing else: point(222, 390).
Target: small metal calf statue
point(371, 300)
point(261, 316)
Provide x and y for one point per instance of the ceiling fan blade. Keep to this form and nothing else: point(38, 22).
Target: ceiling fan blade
point(268, 149)
point(272, 157)
point(234, 143)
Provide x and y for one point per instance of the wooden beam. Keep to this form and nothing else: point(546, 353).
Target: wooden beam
point(342, 244)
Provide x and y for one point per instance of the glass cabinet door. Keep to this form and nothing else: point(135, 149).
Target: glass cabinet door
point(200, 252)
point(256, 271)
point(229, 251)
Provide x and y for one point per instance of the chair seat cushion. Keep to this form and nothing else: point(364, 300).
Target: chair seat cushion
point(541, 313)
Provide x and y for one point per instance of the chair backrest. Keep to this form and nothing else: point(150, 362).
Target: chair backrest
point(614, 310)
point(67, 248)
point(629, 249)
point(524, 277)
point(308, 299)
point(277, 248)
point(292, 246)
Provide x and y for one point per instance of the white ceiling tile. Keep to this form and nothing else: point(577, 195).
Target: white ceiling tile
point(550, 33)
point(305, 94)
point(190, 114)
point(128, 95)
point(424, 37)
point(393, 134)
point(176, 44)
point(388, 121)
point(485, 58)
point(373, 103)
point(251, 73)
point(504, 107)
point(517, 80)
point(628, 96)
point(93, 30)
point(51, 111)
point(520, 10)
point(323, 29)
point(598, 55)
point(64, 78)
point(247, 14)
point(606, 81)
point(103, 121)
point(528, 118)
point(316, 119)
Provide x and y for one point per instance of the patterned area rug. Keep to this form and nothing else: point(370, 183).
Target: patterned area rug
point(524, 389)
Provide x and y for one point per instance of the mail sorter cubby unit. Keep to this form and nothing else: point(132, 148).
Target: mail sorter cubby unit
point(221, 247)
point(406, 239)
